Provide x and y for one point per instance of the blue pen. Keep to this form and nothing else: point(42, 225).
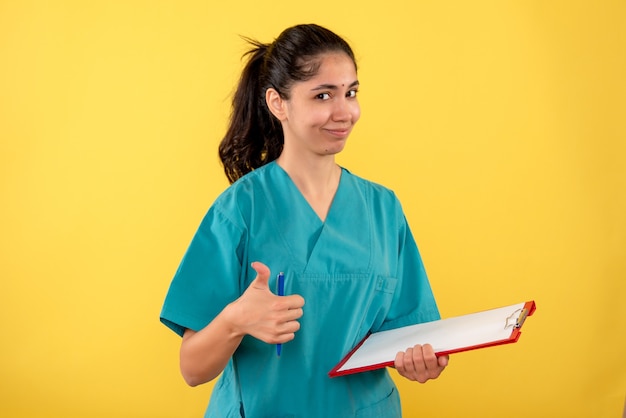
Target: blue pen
point(280, 284)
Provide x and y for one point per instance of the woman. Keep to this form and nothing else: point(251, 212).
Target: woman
point(342, 242)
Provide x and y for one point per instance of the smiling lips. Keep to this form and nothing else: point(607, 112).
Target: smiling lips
point(340, 133)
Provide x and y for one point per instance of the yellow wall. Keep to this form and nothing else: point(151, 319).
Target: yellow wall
point(499, 124)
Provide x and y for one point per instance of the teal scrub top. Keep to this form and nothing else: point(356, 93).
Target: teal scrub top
point(359, 271)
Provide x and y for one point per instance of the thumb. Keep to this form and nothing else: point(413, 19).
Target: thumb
point(262, 275)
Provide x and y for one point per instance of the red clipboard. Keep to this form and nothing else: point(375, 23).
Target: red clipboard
point(447, 336)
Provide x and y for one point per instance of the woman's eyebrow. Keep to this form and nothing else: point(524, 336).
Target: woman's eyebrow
point(333, 86)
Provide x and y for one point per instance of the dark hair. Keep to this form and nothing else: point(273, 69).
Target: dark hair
point(254, 136)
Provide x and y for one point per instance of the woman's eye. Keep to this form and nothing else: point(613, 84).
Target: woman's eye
point(323, 96)
point(351, 93)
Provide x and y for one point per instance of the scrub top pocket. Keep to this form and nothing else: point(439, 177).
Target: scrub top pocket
point(387, 407)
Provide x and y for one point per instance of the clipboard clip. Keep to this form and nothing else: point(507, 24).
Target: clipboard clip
point(516, 319)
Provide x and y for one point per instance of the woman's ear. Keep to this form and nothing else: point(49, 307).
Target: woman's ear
point(275, 104)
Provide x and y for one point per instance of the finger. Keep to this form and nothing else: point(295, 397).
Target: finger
point(285, 338)
point(289, 327)
point(398, 362)
point(293, 314)
point(434, 365)
point(287, 331)
point(262, 275)
point(443, 361)
point(430, 359)
point(409, 365)
point(293, 301)
point(419, 365)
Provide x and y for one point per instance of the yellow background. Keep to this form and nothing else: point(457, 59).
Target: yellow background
point(499, 124)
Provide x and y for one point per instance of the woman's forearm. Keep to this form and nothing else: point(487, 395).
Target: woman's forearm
point(204, 354)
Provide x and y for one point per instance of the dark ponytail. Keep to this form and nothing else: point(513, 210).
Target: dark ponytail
point(254, 136)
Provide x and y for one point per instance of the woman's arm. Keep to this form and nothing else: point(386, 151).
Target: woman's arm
point(258, 312)
point(204, 354)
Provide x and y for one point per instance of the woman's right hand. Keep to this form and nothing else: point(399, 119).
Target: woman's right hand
point(264, 315)
point(258, 312)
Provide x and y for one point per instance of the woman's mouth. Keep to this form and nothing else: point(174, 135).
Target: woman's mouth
point(339, 133)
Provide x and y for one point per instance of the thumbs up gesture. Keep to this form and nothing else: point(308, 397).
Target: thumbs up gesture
point(265, 316)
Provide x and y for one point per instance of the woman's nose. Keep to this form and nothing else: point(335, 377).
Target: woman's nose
point(342, 110)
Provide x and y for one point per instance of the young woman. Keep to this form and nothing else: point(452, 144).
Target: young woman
point(342, 243)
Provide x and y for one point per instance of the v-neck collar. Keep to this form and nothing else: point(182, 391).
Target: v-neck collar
point(315, 245)
point(296, 192)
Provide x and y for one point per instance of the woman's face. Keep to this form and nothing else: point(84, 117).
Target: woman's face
point(321, 112)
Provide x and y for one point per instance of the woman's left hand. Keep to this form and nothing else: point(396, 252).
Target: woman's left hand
point(420, 363)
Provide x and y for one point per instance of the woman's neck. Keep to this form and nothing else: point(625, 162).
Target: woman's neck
point(317, 179)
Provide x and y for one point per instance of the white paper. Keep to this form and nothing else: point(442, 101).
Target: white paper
point(444, 335)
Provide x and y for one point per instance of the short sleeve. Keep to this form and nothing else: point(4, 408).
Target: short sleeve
point(207, 278)
point(414, 301)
